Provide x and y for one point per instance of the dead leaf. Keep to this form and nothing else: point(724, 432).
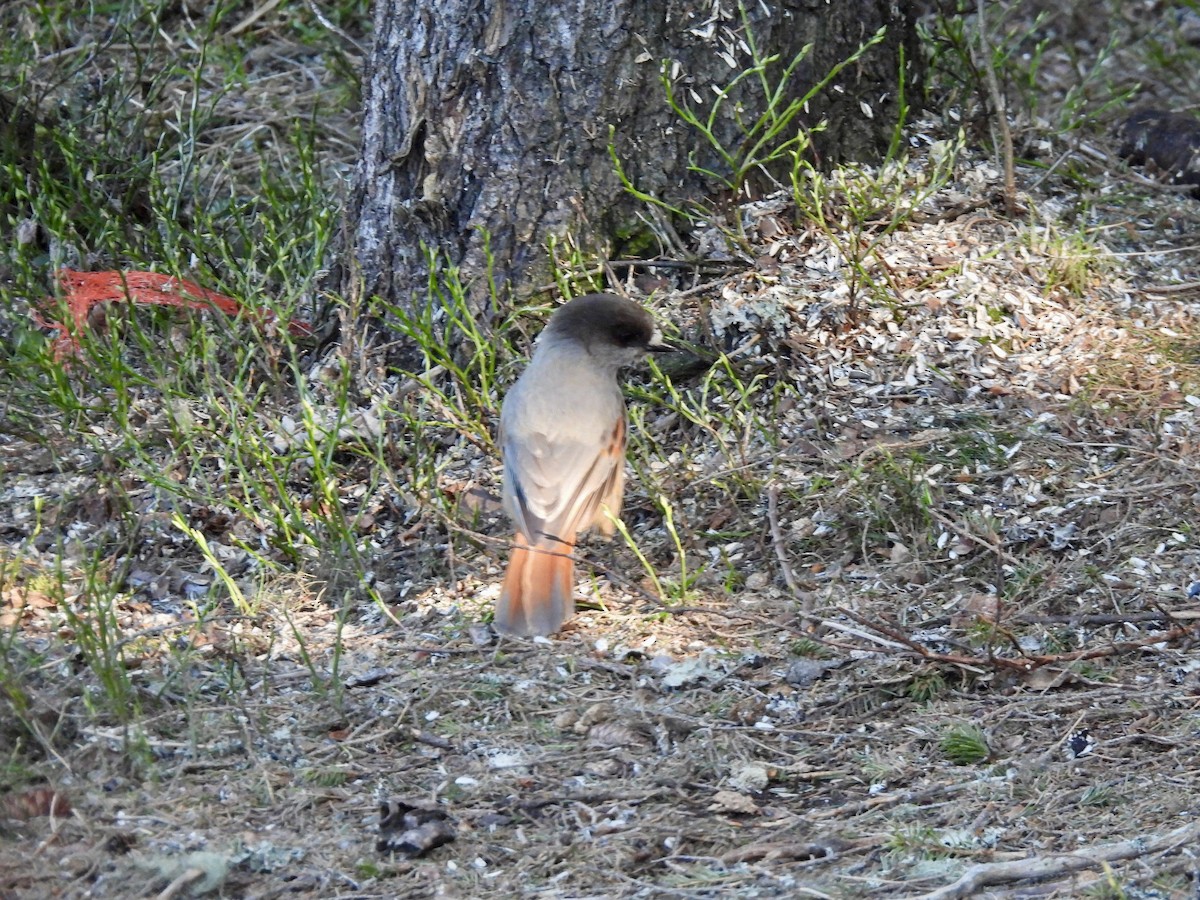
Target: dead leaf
point(733, 802)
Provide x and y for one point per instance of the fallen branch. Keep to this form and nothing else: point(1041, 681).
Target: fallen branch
point(1038, 869)
point(1023, 664)
point(1098, 620)
point(1185, 288)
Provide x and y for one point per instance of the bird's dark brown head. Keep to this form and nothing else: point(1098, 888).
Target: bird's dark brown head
point(606, 325)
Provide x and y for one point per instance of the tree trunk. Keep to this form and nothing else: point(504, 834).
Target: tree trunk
point(487, 124)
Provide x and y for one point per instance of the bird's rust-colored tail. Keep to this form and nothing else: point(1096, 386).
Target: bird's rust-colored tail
point(539, 589)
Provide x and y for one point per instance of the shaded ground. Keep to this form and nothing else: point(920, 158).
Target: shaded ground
point(948, 507)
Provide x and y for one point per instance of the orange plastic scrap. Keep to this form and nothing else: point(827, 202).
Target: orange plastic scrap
point(84, 290)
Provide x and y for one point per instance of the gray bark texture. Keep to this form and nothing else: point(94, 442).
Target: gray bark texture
point(492, 117)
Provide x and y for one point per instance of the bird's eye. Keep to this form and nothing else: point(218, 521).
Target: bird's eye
point(625, 337)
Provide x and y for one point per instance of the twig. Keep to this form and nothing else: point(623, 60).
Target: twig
point(593, 272)
point(320, 17)
point(589, 797)
point(1022, 664)
point(707, 286)
point(430, 739)
point(452, 651)
point(704, 611)
point(254, 16)
point(1001, 112)
point(1185, 288)
point(830, 625)
point(785, 568)
point(182, 623)
point(907, 798)
point(702, 266)
point(1101, 619)
point(968, 535)
point(801, 851)
point(1037, 869)
point(1037, 182)
point(176, 887)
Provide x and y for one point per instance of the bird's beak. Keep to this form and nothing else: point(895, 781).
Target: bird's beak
point(656, 344)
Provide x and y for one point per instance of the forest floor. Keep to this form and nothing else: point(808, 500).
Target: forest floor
point(907, 607)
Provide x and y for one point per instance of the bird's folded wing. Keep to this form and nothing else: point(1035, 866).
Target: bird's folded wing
point(557, 483)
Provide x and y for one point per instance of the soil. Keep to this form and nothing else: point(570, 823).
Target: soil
point(919, 622)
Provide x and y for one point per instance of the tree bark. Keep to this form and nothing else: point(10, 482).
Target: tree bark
point(487, 124)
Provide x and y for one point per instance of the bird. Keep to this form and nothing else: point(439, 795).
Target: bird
point(562, 440)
